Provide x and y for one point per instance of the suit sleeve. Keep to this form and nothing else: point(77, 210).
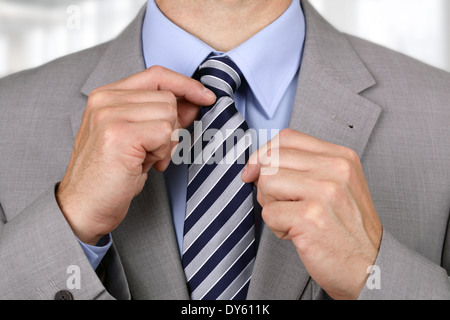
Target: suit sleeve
point(40, 255)
point(404, 274)
point(446, 251)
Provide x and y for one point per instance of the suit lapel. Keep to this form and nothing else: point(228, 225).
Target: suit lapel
point(327, 106)
point(147, 243)
point(121, 58)
point(146, 238)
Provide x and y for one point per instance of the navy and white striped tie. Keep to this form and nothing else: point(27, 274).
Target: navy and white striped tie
point(219, 233)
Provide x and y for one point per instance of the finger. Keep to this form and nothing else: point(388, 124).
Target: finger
point(288, 219)
point(286, 185)
point(288, 139)
point(149, 141)
point(187, 113)
point(298, 160)
point(160, 78)
point(162, 165)
point(293, 159)
point(291, 139)
point(154, 161)
point(122, 101)
point(252, 169)
point(105, 97)
point(104, 104)
point(138, 112)
point(281, 218)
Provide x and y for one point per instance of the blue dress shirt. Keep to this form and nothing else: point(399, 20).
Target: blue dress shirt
point(270, 63)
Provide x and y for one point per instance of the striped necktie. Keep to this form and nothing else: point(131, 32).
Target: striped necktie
point(219, 233)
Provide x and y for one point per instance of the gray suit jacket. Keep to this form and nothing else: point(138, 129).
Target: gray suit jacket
point(392, 110)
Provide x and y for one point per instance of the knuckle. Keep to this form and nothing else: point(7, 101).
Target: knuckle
point(169, 97)
point(344, 167)
point(305, 247)
point(350, 154)
point(156, 69)
point(314, 215)
point(96, 97)
point(165, 129)
point(155, 73)
point(264, 182)
point(314, 206)
point(170, 110)
point(287, 132)
point(112, 133)
point(260, 198)
point(96, 91)
point(267, 216)
point(269, 212)
point(100, 115)
point(330, 190)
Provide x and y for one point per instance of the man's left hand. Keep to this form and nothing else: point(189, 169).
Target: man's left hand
point(316, 196)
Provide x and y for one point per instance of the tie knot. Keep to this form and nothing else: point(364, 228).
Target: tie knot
point(221, 75)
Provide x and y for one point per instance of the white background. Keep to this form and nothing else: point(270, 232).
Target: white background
point(33, 32)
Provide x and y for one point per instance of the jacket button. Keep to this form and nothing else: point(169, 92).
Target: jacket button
point(63, 295)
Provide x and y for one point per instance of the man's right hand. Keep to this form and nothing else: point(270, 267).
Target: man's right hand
point(126, 129)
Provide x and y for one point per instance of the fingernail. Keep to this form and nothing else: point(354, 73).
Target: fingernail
point(209, 94)
point(244, 172)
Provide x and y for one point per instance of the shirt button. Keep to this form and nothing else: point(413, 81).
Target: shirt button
point(63, 295)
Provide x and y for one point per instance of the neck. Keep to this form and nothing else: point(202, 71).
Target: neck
point(223, 24)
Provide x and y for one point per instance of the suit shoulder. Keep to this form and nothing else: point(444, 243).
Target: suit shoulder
point(50, 91)
point(67, 71)
point(386, 63)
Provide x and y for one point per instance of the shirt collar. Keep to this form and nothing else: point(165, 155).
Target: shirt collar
point(269, 60)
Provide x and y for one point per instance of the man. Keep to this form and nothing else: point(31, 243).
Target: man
point(86, 179)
